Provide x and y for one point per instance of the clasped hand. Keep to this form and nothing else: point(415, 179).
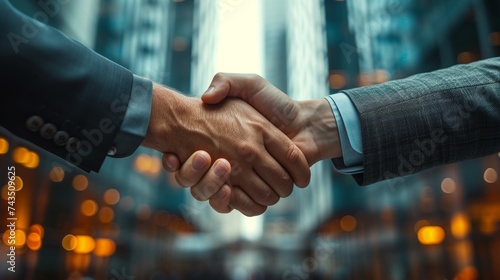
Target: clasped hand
point(263, 141)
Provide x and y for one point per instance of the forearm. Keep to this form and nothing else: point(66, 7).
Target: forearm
point(322, 127)
point(73, 93)
point(162, 116)
point(429, 119)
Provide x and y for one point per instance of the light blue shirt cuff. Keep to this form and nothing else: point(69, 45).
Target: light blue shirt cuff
point(349, 127)
point(136, 121)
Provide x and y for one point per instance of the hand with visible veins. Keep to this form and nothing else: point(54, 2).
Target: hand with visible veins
point(257, 159)
point(309, 124)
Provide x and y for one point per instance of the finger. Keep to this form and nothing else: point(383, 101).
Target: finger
point(242, 202)
point(220, 201)
point(193, 170)
point(258, 190)
point(170, 162)
point(276, 177)
point(212, 181)
point(289, 156)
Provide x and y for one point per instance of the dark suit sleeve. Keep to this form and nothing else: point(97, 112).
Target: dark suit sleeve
point(58, 94)
point(429, 119)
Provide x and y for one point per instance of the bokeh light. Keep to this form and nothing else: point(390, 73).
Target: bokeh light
point(467, 273)
point(33, 161)
point(448, 185)
point(21, 155)
point(4, 146)
point(89, 207)
point(34, 241)
point(111, 196)
point(18, 183)
point(460, 225)
point(18, 240)
point(36, 228)
point(490, 175)
point(69, 242)
point(348, 223)
point(430, 235)
point(80, 182)
point(337, 80)
point(104, 247)
point(84, 244)
point(149, 165)
point(142, 163)
point(466, 57)
point(56, 174)
point(106, 215)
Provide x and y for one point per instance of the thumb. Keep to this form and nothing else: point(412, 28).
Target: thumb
point(214, 95)
point(223, 85)
point(272, 103)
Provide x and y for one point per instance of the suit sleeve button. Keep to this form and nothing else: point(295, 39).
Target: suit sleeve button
point(34, 123)
point(60, 138)
point(112, 151)
point(48, 130)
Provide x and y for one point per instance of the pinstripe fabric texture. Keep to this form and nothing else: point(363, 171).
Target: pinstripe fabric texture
point(429, 119)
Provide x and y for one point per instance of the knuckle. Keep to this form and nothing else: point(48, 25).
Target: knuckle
point(219, 76)
point(183, 182)
point(255, 77)
point(284, 180)
point(244, 147)
point(203, 192)
point(243, 206)
point(196, 194)
point(292, 154)
point(285, 185)
point(247, 150)
point(266, 197)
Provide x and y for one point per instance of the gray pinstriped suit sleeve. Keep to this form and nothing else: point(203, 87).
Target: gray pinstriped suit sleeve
point(428, 120)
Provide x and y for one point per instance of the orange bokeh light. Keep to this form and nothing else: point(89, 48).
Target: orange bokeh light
point(56, 174)
point(33, 162)
point(84, 244)
point(69, 242)
point(348, 223)
point(106, 215)
point(4, 146)
point(111, 196)
point(104, 247)
point(34, 241)
point(430, 235)
point(18, 238)
point(460, 225)
point(89, 208)
point(80, 182)
point(21, 155)
point(490, 175)
point(36, 228)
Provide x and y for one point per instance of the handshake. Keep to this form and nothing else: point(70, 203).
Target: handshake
point(262, 140)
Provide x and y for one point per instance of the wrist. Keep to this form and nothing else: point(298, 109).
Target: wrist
point(322, 127)
point(164, 115)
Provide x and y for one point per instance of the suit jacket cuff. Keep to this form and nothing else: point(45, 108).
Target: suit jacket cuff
point(136, 120)
point(349, 128)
